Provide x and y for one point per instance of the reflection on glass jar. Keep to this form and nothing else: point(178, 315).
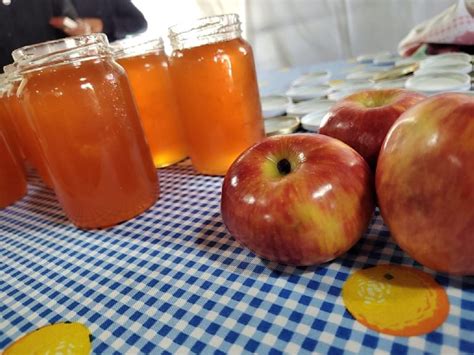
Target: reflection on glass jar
point(7, 119)
point(26, 136)
point(12, 175)
point(214, 75)
point(82, 110)
point(146, 65)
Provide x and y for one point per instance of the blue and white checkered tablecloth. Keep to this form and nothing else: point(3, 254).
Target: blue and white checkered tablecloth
point(174, 281)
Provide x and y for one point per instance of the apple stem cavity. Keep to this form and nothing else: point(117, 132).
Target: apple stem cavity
point(284, 167)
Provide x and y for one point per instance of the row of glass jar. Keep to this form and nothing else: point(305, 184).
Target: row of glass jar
point(70, 106)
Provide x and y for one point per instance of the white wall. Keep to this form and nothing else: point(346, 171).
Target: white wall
point(298, 32)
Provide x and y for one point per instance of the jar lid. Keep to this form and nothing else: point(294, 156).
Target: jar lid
point(313, 78)
point(281, 125)
point(405, 61)
point(300, 93)
point(364, 74)
point(352, 84)
point(12, 73)
point(312, 121)
point(369, 58)
point(274, 105)
point(463, 68)
point(136, 45)
point(305, 107)
point(446, 59)
point(340, 94)
point(385, 59)
point(391, 84)
point(397, 72)
point(434, 83)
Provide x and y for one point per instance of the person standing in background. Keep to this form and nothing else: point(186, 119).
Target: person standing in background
point(24, 22)
point(115, 18)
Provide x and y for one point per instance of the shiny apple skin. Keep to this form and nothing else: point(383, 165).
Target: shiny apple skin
point(425, 183)
point(364, 128)
point(310, 216)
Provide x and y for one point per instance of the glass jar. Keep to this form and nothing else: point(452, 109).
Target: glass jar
point(7, 118)
point(81, 108)
point(12, 175)
point(146, 64)
point(26, 136)
point(214, 75)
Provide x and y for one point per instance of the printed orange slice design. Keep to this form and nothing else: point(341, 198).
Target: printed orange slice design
point(396, 300)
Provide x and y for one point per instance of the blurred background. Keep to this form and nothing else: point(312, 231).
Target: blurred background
point(286, 33)
point(283, 33)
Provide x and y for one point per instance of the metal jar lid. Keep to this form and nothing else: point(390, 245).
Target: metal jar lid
point(281, 125)
point(434, 83)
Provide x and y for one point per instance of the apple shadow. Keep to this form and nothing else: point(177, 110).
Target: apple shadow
point(377, 247)
point(214, 238)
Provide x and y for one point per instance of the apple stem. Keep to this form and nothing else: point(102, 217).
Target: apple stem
point(284, 167)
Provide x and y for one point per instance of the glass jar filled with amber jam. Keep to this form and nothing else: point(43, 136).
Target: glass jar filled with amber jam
point(12, 174)
point(26, 136)
point(80, 105)
point(214, 76)
point(146, 64)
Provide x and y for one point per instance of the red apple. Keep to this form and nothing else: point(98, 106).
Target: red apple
point(425, 183)
point(301, 199)
point(363, 119)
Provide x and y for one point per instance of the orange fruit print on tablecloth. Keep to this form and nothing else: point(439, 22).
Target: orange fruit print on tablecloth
point(396, 300)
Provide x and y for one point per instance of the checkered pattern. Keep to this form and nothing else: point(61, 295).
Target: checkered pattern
point(173, 280)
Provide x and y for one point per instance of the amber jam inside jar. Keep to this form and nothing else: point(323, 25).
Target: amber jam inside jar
point(26, 136)
point(146, 64)
point(83, 113)
point(6, 114)
point(12, 175)
point(214, 75)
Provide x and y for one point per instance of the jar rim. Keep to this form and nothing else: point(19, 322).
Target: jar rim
point(12, 72)
point(205, 30)
point(41, 49)
point(63, 51)
point(137, 45)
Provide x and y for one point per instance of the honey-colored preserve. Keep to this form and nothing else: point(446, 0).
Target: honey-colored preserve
point(86, 121)
point(12, 175)
point(9, 127)
point(151, 85)
point(218, 97)
point(26, 136)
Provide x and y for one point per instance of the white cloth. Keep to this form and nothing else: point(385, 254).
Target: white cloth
point(455, 25)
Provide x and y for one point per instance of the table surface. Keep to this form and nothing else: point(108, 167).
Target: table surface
point(173, 279)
